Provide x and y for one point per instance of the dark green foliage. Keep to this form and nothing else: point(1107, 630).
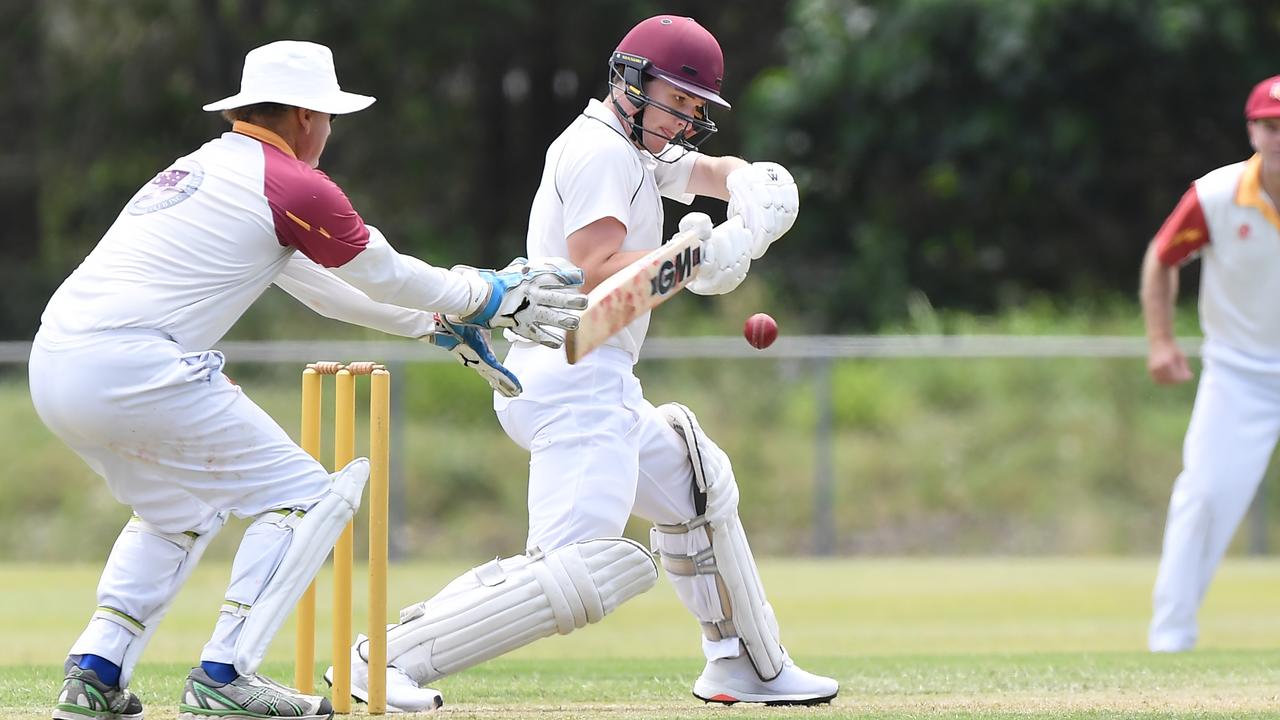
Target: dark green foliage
point(977, 152)
point(104, 94)
point(984, 152)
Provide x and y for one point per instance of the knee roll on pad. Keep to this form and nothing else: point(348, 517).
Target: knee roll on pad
point(313, 537)
point(508, 603)
point(713, 480)
point(709, 560)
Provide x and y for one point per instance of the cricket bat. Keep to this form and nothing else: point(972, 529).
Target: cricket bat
point(633, 291)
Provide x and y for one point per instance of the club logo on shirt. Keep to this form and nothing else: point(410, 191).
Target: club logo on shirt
point(168, 188)
point(1243, 232)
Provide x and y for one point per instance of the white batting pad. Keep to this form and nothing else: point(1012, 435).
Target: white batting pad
point(170, 556)
point(719, 583)
point(508, 603)
point(686, 554)
point(313, 538)
point(712, 471)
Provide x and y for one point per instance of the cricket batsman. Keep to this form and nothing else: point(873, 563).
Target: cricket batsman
point(599, 451)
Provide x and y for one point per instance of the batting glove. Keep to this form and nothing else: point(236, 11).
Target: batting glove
point(764, 195)
point(470, 345)
point(726, 254)
point(529, 297)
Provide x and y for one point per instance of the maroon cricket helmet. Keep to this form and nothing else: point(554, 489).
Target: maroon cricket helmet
point(678, 50)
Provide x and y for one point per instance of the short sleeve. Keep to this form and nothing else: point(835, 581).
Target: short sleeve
point(596, 183)
point(1183, 233)
point(673, 177)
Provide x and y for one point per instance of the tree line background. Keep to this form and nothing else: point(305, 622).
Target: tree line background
point(978, 154)
point(964, 166)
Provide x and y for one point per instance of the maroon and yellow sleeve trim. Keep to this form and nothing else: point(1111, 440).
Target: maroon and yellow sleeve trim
point(1184, 232)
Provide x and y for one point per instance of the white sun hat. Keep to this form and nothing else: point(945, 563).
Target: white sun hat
point(292, 72)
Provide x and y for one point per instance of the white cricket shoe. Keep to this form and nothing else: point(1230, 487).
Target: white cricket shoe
point(403, 694)
point(1171, 643)
point(734, 680)
point(1167, 636)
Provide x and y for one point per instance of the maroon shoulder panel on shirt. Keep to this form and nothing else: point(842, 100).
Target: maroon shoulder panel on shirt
point(1184, 231)
point(311, 213)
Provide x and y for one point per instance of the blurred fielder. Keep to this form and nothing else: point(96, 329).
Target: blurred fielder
point(599, 451)
point(121, 370)
point(1229, 219)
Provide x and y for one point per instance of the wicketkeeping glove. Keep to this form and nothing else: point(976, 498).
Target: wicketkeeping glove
point(764, 195)
point(529, 297)
point(470, 345)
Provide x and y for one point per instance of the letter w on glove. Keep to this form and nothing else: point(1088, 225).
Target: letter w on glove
point(764, 195)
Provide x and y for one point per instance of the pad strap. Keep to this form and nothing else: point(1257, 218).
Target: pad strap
point(133, 625)
point(698, 565)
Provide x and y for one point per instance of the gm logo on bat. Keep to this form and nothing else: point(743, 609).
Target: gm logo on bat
point(674, 271)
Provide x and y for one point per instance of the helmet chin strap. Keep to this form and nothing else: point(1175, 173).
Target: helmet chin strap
point(631, 79)
point(637, 131)
point(636, 121)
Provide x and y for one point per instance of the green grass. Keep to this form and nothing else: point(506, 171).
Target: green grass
point(939, 638)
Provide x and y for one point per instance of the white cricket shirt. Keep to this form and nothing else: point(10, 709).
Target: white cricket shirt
point(1230, 222)
point(204, 238)
point(594, 171)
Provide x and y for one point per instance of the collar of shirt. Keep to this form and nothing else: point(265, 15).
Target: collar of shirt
point(1250, 194)
point(257, 132)
point(597, 110)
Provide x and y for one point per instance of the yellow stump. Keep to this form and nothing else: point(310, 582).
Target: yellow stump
point(379, 491)
point(343, 551)
point(304, 641)
point(344, 451)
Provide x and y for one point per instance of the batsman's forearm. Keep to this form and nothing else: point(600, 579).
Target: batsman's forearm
point(710, 175)
point(604, 269)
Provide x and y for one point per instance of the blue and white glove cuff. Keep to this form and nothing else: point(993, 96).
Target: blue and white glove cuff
point(482, 302)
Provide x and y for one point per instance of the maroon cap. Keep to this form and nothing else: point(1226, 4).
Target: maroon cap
point(681, 52)
point(1264, 101)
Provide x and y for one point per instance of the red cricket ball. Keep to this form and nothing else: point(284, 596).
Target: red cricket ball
point(760, 331)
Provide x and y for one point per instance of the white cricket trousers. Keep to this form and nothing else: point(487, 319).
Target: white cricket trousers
point(598, 451)
point(1233, 431)
point(176, 441)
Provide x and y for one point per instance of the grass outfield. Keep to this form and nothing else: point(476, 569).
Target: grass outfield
point(958, 638)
